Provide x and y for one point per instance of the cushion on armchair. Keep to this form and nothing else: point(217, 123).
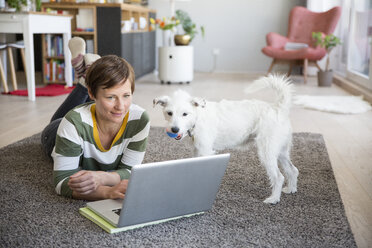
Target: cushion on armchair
point(304, 53)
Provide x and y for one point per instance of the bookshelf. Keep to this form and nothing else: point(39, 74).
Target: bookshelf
point(109, 28)
point(53, 59)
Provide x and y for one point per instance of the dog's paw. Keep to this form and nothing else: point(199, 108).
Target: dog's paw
point(289, 190)
point(272, 200)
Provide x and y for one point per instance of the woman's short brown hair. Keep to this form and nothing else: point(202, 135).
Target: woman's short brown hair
point(107, 72)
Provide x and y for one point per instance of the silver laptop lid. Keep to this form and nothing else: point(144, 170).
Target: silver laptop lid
point(172, 188)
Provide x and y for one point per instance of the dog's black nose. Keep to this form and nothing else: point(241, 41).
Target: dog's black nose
point(175, 129)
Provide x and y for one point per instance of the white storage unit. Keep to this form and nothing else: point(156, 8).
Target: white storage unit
point(176, 64)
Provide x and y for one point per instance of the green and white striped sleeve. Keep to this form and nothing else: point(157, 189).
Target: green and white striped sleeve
point(66, 155)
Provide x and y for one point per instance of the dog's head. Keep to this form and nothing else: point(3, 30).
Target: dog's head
point(180, 112)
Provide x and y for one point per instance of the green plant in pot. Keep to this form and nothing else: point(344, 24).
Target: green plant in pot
point(16, 4)
point(189, 28)
point(328, 42)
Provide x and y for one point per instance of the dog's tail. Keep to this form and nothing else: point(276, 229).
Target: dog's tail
point(280, 84)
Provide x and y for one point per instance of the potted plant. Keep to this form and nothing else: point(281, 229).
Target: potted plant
point(328, 42)
point(188, 27)
point(15, 5)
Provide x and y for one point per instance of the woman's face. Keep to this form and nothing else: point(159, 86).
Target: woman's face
point(112, 104)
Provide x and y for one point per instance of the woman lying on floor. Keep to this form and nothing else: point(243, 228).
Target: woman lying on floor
point(95, 143)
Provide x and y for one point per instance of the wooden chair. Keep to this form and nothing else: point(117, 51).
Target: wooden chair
point(8, 48)
point(17, 45)
point(2, 72)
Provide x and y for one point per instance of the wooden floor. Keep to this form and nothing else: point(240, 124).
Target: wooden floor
point(348, 137)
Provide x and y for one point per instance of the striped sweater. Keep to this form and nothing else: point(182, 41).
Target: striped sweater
point(78, 146)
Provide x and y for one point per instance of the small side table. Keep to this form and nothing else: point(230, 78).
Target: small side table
point(30, 23)
point(176, 64)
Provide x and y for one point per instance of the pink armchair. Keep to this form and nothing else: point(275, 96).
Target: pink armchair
point(302, 22)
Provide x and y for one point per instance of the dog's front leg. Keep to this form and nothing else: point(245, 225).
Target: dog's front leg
point(200, 153)
point(203, 149)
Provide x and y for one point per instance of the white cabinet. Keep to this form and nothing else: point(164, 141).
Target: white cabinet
point(176, 64)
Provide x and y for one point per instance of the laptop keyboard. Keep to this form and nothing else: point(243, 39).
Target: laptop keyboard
point(117, 211)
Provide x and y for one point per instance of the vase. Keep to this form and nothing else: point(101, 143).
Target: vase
point(182, 39)
point(168, 38)
point(325, 78)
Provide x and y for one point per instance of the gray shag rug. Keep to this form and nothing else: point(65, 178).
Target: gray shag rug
point(32, 215)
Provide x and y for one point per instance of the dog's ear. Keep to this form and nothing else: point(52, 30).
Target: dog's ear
point(198, 102)
point(163, 101)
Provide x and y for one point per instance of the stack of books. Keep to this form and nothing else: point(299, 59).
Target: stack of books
point(54, 70)
point(53, 45)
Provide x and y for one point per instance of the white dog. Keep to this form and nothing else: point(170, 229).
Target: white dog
point(227, 124)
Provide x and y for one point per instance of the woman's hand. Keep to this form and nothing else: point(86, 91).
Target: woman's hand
point(85, 182)
point(118, 191)
point(97, 185)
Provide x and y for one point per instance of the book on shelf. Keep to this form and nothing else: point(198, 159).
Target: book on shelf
point(53, 45)
point(54, 70)
point(54, 64)
point(89, 46)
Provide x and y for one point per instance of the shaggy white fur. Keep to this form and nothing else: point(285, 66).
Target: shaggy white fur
point(228, 124)
point(334, 104)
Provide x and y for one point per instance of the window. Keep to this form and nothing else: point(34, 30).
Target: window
point(355, 30)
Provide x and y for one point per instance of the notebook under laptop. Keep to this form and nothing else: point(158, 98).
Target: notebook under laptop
point(163, 191)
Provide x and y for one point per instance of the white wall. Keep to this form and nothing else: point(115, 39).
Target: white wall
point(236, 27)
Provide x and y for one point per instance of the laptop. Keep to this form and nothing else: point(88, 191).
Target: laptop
point(164, 191)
